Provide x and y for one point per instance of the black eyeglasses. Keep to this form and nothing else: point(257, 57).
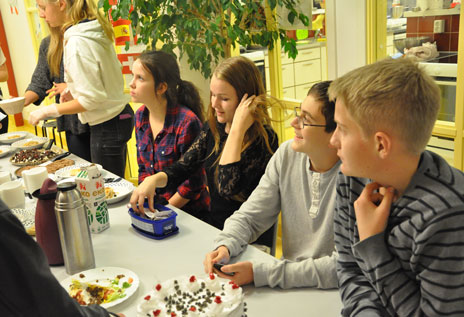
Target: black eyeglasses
point(301, 123)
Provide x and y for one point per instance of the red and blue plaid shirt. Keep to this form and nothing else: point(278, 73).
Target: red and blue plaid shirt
point(181, 127)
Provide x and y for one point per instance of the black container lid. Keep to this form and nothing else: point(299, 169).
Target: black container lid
point(65, 186)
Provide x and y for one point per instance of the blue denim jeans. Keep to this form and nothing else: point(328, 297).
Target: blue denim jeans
point(108, 141)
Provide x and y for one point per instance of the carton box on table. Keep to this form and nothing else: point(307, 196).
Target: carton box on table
point(92, 187)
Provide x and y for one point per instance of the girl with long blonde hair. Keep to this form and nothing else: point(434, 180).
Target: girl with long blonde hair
point(95, 86)
point(48, 79)
point(235, 144)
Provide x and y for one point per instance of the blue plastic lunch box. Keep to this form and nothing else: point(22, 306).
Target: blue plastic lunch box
point(155, 229)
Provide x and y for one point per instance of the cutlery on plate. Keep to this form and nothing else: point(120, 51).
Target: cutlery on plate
point(112, 180)
point(60, 156)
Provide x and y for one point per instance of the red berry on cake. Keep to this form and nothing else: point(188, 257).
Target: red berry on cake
point(193, 296)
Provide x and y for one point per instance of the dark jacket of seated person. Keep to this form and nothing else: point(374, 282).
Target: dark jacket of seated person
point(28, 287)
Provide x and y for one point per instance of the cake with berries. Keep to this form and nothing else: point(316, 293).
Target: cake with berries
point(193, 296)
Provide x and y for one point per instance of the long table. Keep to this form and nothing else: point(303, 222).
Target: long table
point(182, 254)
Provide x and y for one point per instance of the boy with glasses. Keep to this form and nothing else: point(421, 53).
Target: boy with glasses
point(399, 221)
point(299, 183)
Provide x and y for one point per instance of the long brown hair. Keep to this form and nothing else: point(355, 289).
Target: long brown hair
point(164, 69)
point(242, 74)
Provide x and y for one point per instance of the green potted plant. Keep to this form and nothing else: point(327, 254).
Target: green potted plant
point(206, 30)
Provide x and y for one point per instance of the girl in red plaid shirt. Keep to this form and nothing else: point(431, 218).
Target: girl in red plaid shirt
point(166, 125)
point(235, 144)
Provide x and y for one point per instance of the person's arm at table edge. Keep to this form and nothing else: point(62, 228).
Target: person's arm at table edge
point(414, 299)
point(320, 273)
point(358, 296)
point(262, 207)
point(192, 187)
point(189, 163)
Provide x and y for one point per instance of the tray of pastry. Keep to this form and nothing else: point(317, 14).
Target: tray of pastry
point(32, 157)
point(51, 168)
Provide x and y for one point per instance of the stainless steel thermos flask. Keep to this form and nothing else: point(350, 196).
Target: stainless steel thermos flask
point(75, 238)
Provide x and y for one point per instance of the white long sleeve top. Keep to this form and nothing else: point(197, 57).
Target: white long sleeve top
point(92, 72)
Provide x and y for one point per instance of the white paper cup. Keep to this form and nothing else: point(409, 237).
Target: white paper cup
point(4, 177)
point(12, 194)
point(34, 178)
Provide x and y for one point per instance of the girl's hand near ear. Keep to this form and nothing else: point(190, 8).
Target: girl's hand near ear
point(243, 117)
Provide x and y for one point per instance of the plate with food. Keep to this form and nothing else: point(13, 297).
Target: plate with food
point(73, 170)
point(26, 216)
point(30, 143)
point(106, 286)
point(11, 137)
point(117, 191)
point(51, 168)
point(4, 150)
point(32, 157)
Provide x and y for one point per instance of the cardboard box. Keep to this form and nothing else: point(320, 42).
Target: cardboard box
point(92, 187)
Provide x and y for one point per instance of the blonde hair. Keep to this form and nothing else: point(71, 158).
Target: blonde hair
point(242, 74)
point(55, 51)
point(76, 10)
point(79, 10)
point(391, 94)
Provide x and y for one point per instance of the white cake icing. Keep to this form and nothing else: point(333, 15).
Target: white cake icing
point(209, 296)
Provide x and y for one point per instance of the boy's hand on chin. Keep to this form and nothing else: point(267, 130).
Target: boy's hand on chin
point(372, 209)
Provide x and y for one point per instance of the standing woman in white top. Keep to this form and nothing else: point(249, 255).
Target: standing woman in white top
point(94, 80)
point(3, 77)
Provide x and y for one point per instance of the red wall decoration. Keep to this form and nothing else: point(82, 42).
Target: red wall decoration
point(11, 79)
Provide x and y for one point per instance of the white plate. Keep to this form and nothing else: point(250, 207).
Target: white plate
point(15, 136)
point(21, 143)
point(73, 170)
point(122, 189)
point(104, 275)
point(4, 150)
point(25, 215)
